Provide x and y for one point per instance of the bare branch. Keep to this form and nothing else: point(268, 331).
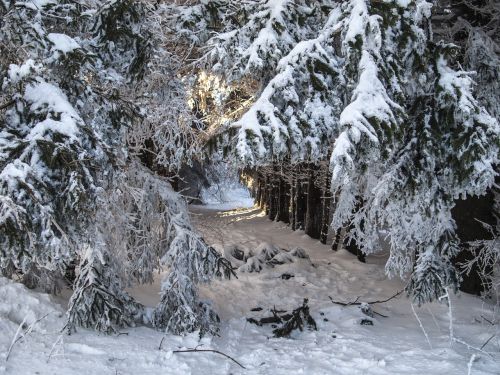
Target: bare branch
point(211, 351)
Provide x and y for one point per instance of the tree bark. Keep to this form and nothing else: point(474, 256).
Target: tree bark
point(300, 203)
point(293, 204)
point(313, 212)
point(267, 197)
point(273, 197)
point(336, 240)
point(325, 209)
point(283, 201)
point(469, 214)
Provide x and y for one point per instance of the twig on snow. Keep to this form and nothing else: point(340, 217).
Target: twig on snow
point(489, 321)
point(379, 314)
point(355, 302)
point(161, 342)
point(469, 365)
point(18, 336)
point(454, 339)
point(211, 351)
point(421, 325)
point(15, 339)
point(59, 339)
point(487, 341)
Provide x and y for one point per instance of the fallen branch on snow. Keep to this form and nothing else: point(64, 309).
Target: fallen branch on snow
point(486, 343)
point(211, 351)
point(297, 319)
point(469, 346)
point(370, 303)
point(7, 105)
point(489, 321)
point(19, 336)
point(356, 303)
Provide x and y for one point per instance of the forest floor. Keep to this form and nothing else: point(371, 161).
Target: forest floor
point(395, 344)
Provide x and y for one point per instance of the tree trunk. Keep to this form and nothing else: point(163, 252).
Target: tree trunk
point(313, 212)
point(273, 196)
point(325, 209)
point(336, 240)
point(293, 204)
point(267, 197)
point(258, 195)
point(284, 202)
point(301, 205)
point(468, 215)
point(263, 192)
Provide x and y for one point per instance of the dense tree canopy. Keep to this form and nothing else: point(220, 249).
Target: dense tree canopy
point(368, 118)
point(363, 84)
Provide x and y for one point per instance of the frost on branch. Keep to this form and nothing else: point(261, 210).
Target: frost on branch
point(487, 254)
point(145, 226)
point(269, 32)
point(191, 261)
point(404, 168)
point(43, 149)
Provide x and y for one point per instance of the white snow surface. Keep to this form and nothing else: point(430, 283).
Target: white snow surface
point(44, 96)
point(393, 345)
point(63, 43)
point(227, 195)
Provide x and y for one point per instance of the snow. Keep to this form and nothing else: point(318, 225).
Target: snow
point(21, 305)
point(370, 100)
point(62, 43)
point(393, 345)
point(357, 21)
point(231, 195)
point(14, 172)
point(17, 72)
point(67, 128)
point(267, 39)
point(36, 4)
point(44, 96)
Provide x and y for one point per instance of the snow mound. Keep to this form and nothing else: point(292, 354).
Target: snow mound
point(268, 256)
point(19, 305)
point(235, 254)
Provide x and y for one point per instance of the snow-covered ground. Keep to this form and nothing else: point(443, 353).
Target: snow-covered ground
point(393, 345)
point(228, 195)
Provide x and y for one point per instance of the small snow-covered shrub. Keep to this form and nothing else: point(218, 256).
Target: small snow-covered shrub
point(235, 254)
point(281, 258)
point(266, 251)
point(268, 256)
point(298, 252)
point(253, 264)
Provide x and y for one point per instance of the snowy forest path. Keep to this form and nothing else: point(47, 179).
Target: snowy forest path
point(392, 345)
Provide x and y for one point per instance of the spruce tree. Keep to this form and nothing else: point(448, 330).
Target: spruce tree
point(49, 150)
point(81, 101)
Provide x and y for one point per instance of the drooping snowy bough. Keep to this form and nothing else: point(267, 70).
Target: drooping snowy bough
point(143, 225)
